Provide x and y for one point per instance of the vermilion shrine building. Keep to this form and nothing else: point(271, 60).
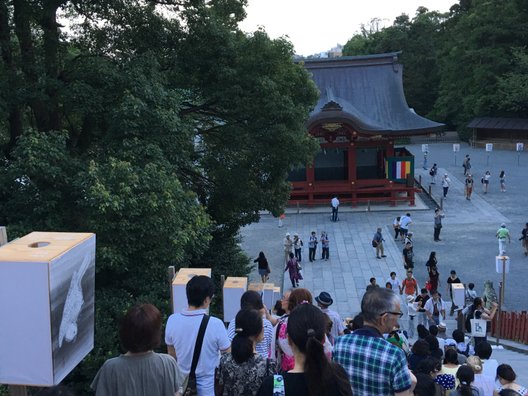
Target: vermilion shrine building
point(360, 114)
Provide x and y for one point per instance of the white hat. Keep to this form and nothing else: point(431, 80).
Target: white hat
point(287, 234)
point(442, 325)
point(410, 298)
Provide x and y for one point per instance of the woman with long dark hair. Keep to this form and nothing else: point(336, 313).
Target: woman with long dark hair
point(241, 372)
point(313, 374)
point(263, 267)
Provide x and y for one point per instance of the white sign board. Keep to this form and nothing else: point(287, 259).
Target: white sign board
point(425, 148)
point(456, 147)
point(489, 147)
point(519, 146)
point(499, 262)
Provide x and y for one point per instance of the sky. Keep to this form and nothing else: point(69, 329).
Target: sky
point(315, 26)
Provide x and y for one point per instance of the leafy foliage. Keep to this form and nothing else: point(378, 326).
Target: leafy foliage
point(455, 64)
point(159, 126)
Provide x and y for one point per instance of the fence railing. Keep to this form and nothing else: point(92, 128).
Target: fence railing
point(513, 326)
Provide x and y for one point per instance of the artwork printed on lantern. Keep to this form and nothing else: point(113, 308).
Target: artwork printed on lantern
point(72, 281)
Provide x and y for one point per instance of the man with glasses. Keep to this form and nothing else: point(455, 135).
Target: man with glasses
point(375, 367)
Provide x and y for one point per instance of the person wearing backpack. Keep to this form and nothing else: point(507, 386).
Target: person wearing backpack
point(196, 339)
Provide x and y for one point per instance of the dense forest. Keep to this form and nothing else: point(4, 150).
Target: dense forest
point(157, 125)
point(469, 62)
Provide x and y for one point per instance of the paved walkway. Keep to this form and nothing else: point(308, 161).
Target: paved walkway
point(468, 238)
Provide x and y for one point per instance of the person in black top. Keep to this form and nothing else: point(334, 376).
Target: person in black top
point(453, 278)
point(263, 267)
point(313, 374)
point(524, 239)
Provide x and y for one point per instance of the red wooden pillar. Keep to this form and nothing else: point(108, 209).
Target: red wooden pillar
point(352, 175)
point(310, 179)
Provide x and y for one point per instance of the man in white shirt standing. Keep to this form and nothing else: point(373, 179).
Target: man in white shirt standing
point(434, 308)
point(324, 300)
point(335, 207)
point(395, 283)
point(182, 330)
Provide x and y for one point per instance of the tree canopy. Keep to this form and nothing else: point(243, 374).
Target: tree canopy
point(158, 125)
point(460, 64)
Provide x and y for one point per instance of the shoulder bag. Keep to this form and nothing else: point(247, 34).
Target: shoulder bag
point(189, 386)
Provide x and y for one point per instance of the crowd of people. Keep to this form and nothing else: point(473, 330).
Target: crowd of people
point(305, 349)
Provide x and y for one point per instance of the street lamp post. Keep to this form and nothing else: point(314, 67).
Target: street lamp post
point(502, 264)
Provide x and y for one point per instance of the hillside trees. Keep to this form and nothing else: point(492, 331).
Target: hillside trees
point(157, 125)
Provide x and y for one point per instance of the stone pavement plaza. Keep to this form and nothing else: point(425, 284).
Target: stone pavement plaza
point(468, 237)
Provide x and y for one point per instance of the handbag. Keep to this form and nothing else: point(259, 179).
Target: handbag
point(189, 385)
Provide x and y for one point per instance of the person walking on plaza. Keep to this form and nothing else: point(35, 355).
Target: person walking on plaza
point(432, 173)
point(335, 208)
point(485, 181)
point(453, 278)
point(374, 366)
point(469, 186)
point(312, 246)
point(466, 164)
point(377, 242)
point(446, 182)
point(294, 270)
point(502, 234)
point(288, 247)
point(410, 285)
point(524, 239)
point(405, 221)
point(297, 246)
point(408, 256)
point(263, 267)
point(325, 245)
point(502, 181)
point(438, 216)
point(396, 226)
point(420, 302)
point(324, 300)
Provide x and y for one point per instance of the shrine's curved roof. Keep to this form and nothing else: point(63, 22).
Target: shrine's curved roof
point(366, 92)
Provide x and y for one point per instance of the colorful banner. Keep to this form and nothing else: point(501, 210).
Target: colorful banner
point(397, 168)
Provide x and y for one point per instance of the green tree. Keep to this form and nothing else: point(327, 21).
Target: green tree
point(157, 125)
point(513, 86)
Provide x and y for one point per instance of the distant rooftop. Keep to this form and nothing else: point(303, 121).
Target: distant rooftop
point(515, 124)
point(366, 92)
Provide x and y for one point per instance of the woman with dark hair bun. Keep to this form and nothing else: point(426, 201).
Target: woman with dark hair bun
point(313, 374)
point(465, 377)
point(241, 372)
point(140, 371)
point(506, 377)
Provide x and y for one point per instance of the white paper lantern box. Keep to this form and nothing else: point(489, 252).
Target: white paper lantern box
point(47, 282)
point(234, 287)
point(179, 285)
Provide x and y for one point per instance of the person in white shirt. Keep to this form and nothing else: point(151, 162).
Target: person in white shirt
point(489, 366)
point(395, 283)
point(405, 221)
point(446, 182)
point(324, 300)
point(182, 330)
point(434, 308)
point(335, 208)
